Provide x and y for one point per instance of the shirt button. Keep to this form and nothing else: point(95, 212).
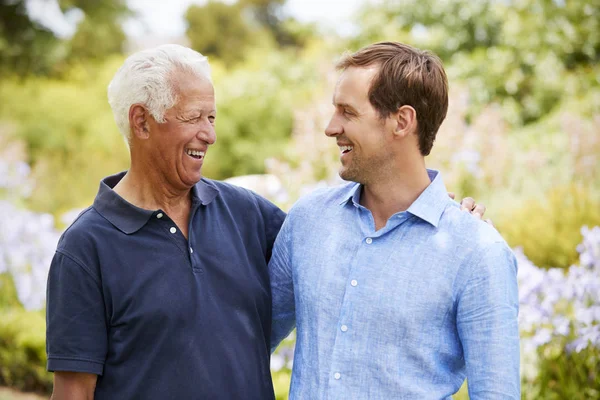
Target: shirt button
point(369, 240)
point(337, 375)
point(159, 215)
point(191, 250)
point(354, 282)
point(344, 328)
point(173, 230)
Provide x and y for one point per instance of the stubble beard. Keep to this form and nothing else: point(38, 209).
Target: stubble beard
point(354, 171)
point(366, 171)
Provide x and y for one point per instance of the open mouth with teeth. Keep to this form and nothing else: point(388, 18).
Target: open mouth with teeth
point(346, 149)
point(197, 154)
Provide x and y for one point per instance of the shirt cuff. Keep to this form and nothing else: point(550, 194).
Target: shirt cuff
point(70, 365)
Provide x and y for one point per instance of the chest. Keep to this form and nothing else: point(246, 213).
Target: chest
point(159, 277)
point(403, 278)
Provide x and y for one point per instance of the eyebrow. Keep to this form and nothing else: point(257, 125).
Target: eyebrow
point(345, 105)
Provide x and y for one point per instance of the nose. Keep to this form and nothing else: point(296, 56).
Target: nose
point(207, 132)
point(334, 128)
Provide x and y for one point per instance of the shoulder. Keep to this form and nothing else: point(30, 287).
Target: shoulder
point(479, 245)
point(80, 243)
point(465, 228)
point(233, 193)
point(244, 199)
point(323, 199)
point(81, 231)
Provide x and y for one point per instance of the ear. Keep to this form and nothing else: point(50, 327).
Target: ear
point(138, 121)
point(405, 121)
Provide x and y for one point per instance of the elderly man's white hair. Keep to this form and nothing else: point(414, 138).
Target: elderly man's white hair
point(146, 78)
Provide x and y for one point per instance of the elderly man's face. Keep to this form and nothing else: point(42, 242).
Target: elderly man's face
point(180, 143)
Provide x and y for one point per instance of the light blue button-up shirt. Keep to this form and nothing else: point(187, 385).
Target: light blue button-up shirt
point(405, 312)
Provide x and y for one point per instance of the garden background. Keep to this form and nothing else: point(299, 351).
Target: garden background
point(522, 136)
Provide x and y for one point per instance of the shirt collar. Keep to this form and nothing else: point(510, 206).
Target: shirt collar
point(429, 206)
point(129, 218)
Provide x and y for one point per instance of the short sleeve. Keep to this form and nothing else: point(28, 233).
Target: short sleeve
point(76, 332)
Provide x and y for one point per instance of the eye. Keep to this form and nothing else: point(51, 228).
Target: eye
point(212, 119)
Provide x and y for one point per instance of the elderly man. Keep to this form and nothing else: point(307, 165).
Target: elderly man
point(160, 290)
point(396, 294)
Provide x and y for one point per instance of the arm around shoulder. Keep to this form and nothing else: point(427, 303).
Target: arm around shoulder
point(282, 288)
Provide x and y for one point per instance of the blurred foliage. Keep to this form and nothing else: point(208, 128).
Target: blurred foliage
point(8, 293)
point(27, 47)
point(216, 28)
point(573, 376)
point(281, 383)
point(548, 230)
point(255, 111)
point(23, 351)
point(71, 137)
point(518, 53)
point(230, 31)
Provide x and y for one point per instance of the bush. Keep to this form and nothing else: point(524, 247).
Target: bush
point(8, 293)
point(548, 229)
point(23, 351)
point(563, 375)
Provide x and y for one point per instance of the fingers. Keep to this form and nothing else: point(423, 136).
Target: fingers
point(489, 222)
point(451, 195)
point(467, 204)
point(478, 211)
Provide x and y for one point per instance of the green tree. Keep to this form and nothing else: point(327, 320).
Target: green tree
point(29, 48)
point(270, 15)
point(99, 34)
point(230, 31)
point(218, 29)
point(519, 53)
point(25, 46)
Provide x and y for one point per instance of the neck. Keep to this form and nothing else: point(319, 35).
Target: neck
point(144, 187)
point(395, 192)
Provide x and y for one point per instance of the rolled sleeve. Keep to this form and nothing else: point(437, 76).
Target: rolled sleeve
point(487, 313)
point(76, 333)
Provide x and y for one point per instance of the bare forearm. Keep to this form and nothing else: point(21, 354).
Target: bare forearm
point(73, 386)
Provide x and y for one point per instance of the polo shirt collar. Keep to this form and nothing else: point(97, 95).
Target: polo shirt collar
point(129, 218)
point(429, 206)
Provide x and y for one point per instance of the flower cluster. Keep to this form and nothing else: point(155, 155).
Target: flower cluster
point(557, 303)
point(27, 239)
point(27, 244)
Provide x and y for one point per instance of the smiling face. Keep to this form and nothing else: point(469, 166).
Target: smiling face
point(364, 139)
point(179, 145)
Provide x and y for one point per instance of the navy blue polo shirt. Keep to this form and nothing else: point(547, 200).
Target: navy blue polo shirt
point(157, 316)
